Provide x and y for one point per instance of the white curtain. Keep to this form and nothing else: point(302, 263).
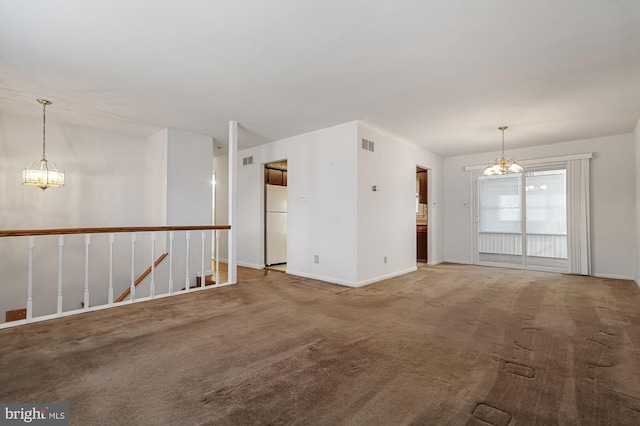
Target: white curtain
point(578, 230)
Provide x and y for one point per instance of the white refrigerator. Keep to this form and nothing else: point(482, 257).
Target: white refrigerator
point(276, 225)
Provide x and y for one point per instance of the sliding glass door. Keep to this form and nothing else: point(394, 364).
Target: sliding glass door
point(522, 219)
point(500, 226)
point(546, 219)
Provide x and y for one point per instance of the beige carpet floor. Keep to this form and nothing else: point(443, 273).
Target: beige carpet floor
point(446, 345)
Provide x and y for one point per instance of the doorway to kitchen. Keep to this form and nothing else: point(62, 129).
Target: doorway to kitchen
point(422, 215)
point(275, 215)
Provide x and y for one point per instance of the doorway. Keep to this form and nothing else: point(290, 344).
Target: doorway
point(422, 215)
point(275, 215)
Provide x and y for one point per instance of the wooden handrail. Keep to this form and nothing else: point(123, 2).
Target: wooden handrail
point(141, 277)
point(58, 231)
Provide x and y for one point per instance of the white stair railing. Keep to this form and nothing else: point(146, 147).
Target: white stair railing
point(96, 292)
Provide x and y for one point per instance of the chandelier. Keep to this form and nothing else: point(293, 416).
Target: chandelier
point(502, 165)
point(43, 173)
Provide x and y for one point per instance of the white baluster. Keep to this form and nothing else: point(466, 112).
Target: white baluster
point(87, 242)
point(60, 246)
point(30, 282)
point(202, 263)
point(217, 257)
point(187, 278)
point(171, 262)
point(132, 289)
point(152, 285)
point(111, 240)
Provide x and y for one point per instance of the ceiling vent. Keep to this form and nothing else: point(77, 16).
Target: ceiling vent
point(247, 161)
point(367, 145)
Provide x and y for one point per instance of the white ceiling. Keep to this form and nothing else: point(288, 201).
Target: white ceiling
point(442, 74)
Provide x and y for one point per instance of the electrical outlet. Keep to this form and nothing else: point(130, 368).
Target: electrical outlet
point(385, 259)
point(316, 259)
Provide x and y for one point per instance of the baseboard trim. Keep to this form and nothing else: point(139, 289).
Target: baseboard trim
point(322, 278)
point(386, 277)
point(250, 265)
point(245, 264)
point(613, 277)
point(349, 283)
point(461, 262)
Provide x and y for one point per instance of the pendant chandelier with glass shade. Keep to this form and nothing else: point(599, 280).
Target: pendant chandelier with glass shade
point(502, 165)
point(43, 173)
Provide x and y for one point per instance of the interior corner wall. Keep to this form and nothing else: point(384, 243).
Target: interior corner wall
point(189, 198)
point(189, 172)
point(387, 216)
point(612, 193)
point(636, 141)
point(322, 194)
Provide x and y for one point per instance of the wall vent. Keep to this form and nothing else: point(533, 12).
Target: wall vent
point(16, 315)
point(367, 145)
point(247, 161)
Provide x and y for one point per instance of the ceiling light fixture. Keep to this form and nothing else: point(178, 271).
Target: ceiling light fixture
point(42, 173)
point(502, 165)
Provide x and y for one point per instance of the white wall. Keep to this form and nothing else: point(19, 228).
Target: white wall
point(189, 171)
point(105, 186)
point(332, 211)
point(636, 138)
point(612, 201)
point(321, 203)
point(156, 177)
point(387, 217)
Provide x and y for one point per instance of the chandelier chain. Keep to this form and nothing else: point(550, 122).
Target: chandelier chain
point(44, 129)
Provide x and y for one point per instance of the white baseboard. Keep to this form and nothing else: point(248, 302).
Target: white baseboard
point(321, 278)
point(462, 262)
point(250, 265)
point(386, 277)
point(350, 283)
point(613, 277)
point(246, 265)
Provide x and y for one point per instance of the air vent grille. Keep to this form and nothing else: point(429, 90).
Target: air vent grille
point(247, 161)
point(367, 145)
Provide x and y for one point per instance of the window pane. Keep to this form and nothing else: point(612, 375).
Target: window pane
point(546, 219)
point(546, 202)
point(500, 204)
